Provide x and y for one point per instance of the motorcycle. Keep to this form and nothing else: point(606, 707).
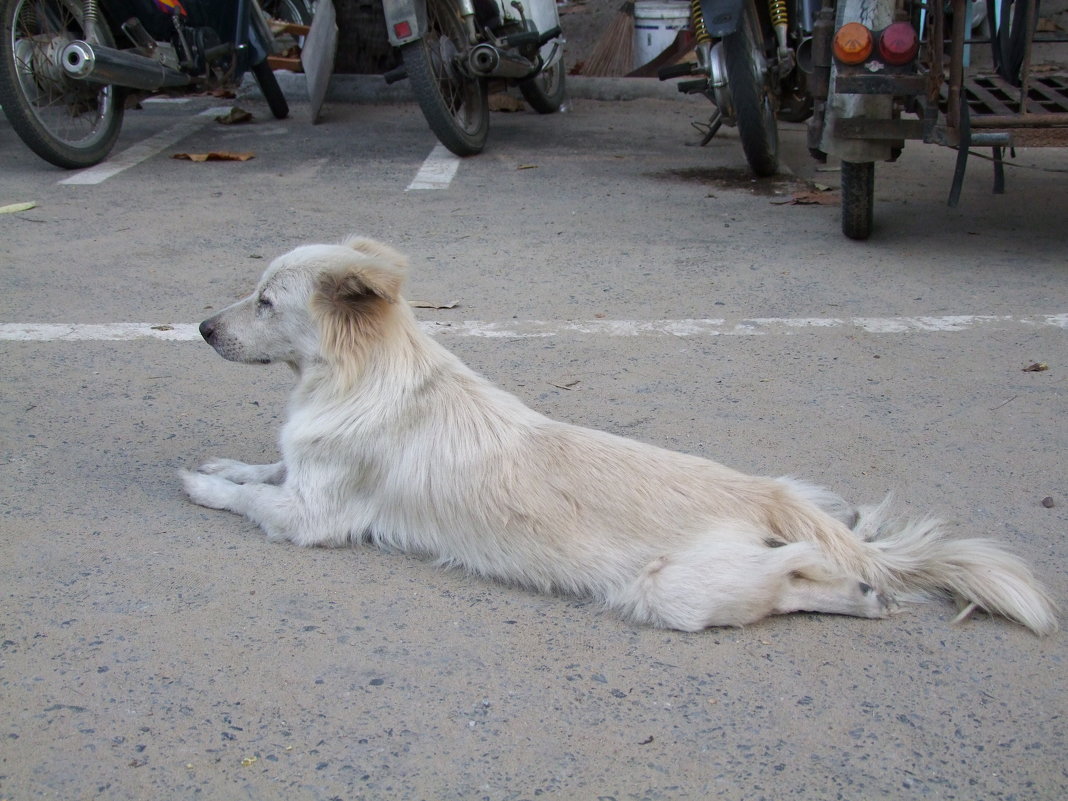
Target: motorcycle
point(452, 49)
point(66, 66)
point(755, 60)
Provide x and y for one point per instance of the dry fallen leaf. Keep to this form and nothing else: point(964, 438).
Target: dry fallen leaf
point(234, 116)
point(215, 155)
point(427, 304)
point(15, 207)
point(810, 198)
point(1037, 367)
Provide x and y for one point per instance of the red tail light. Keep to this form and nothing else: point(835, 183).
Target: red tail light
point(898, 44)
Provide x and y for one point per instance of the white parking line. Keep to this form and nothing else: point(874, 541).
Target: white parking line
point(437, 171)
point(530, 329)
point(135, 154)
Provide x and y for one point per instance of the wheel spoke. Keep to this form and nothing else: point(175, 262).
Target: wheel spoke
point(71, 110)
point(67, 122)
point(453, 101)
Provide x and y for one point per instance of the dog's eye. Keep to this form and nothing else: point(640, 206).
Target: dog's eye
point(263, 304)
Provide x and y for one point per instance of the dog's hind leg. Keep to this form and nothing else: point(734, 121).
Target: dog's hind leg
point(736, 583)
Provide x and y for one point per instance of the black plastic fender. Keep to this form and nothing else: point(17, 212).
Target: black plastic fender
point(722, 17)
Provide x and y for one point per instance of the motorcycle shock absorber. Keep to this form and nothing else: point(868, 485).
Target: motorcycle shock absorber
point(779, 21)
point(91, 21)
point(697, 19)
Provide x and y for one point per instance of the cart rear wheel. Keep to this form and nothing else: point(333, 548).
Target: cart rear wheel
point(858, 198)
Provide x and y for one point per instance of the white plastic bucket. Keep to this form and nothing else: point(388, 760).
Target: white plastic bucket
point(656, 24)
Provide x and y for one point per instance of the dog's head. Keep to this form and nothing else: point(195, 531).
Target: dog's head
point(312, 304)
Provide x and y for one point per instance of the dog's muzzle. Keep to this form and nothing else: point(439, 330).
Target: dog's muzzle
point(207, 330)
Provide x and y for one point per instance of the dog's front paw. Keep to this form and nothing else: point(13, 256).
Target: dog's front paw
point(242, 473)
point(230, 469)
point(213, 491)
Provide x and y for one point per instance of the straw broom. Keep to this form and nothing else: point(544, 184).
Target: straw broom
point(613, 53)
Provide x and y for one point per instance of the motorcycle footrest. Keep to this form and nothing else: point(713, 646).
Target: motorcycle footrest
point(398, 73)
point(676, 71)
point(531, 38)
point(693, 87)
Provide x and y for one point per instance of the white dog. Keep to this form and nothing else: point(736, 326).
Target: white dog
point(391, 439)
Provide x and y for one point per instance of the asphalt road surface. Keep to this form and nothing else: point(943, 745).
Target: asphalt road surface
point(613, 274)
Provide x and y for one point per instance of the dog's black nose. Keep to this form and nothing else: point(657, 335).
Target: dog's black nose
point(207, 329)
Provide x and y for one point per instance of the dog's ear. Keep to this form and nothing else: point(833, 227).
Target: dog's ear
point(395, 264)
point(373, 270)
point(352, 300)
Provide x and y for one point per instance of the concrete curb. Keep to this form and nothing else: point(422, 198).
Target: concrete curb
point(374, 89)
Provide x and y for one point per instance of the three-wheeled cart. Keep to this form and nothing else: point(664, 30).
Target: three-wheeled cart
point(895, 70)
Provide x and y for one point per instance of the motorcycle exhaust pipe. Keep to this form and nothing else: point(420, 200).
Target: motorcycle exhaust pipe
point(487, 61)
point(88, 62)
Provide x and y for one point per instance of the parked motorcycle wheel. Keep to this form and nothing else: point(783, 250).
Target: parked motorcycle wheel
point(456, 105)
point(858, 198)
point(272, 92)
point(747, 67)
point(546, 91)
point(69, 123)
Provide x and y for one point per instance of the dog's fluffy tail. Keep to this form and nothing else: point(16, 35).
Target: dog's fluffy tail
point(916, 556)
point(915, 559)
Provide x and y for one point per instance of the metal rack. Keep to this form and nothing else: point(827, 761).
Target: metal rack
point(1005, 108)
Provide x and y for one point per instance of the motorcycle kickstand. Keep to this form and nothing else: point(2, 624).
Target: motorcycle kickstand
point(708, 130)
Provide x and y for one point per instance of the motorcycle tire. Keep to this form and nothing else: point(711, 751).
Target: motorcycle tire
point(858, 198)
point(455, 105)
point(71, 124)
point(754, 110)
point(546, 91)
point(272, 92)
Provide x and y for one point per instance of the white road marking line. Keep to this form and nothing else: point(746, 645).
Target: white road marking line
point(107, 332)
point(135, 154)
point(437, 171)
point(531, 329)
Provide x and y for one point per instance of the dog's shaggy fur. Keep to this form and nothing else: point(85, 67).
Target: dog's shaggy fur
point(391, 439)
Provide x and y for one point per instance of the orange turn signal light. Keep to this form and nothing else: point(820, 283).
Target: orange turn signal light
point(853, 43)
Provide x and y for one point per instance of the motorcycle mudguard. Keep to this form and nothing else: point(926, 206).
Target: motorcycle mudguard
point(405, 20)
point(722, 17)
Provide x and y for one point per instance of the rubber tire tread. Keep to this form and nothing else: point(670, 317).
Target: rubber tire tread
point(438, 116)
point(858, 198)
point(760, 141)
